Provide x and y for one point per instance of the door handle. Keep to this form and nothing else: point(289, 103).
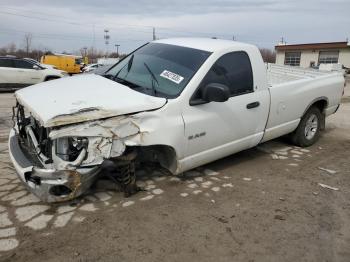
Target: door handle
point(253, 105)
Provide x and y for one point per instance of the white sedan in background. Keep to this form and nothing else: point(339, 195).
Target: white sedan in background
point(16, 73)
point(91, 67)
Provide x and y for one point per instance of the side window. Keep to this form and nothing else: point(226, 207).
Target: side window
point(6, 63)
point(233, 70)
point(23, 64)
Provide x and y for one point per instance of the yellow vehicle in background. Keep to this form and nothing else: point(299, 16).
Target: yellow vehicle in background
point(70, 63)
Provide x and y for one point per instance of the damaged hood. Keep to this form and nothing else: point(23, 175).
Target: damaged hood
point(83, 98)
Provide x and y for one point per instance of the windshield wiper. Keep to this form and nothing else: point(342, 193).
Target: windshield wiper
point(129, 64)
point(131, 60)
point(153, 78)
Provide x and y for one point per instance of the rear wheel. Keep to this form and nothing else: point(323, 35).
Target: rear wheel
point(308, 130)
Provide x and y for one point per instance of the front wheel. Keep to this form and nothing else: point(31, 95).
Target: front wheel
point(308, 130)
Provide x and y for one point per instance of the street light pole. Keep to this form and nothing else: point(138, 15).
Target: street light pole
point(117, 46)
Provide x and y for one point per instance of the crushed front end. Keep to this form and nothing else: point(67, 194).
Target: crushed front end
point(61, 163)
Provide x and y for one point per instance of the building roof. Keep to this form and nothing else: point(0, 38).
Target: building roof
point(329, 45)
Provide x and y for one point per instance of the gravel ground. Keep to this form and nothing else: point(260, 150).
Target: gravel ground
point(268, 203)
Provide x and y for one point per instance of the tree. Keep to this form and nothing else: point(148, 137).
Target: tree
point(28, 42)
point(269, 56)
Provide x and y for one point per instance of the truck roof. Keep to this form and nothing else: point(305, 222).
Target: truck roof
point(206, 44)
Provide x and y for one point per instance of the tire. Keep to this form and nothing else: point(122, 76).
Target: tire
point(308, 130)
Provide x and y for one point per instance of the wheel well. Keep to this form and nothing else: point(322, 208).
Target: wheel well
point(321, 105)
point(51, 77)
point(162, 154)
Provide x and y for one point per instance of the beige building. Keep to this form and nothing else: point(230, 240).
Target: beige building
point(308, 55)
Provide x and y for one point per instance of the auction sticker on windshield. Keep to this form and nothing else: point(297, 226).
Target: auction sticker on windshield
point(172, 76)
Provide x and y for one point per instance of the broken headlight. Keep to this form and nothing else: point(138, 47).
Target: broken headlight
point(69, 148)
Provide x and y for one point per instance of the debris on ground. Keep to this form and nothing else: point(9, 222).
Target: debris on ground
point(247, 179)
point(328, 187)
point(332, 172)
point(280, 217)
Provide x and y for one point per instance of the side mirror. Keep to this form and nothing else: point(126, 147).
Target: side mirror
point(215, 92)
point(36, 67)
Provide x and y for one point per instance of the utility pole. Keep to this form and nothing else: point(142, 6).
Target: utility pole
point(85, 51)
point(106, 37)
point(93, 36)
point(154, 34)
point(117, 46)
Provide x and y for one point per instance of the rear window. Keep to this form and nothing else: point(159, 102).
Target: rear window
point(23, 64)
point(4, 62)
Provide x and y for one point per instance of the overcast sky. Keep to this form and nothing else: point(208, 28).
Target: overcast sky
point(68, 25)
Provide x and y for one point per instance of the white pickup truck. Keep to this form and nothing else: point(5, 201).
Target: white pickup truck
point(180, 103)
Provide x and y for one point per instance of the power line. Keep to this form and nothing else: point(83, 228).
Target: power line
point(119, 25)
point(61, 36)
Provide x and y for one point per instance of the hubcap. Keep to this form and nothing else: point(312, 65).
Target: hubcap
point(311, 127)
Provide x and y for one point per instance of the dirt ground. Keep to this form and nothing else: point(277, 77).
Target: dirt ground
point(263, 204)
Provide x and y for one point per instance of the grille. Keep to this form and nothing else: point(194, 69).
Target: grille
point(41, 133)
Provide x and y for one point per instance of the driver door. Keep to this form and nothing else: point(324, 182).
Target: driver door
point(217, 129)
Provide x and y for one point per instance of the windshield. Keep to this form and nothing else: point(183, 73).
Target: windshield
point(78, 61)
point(159, 69)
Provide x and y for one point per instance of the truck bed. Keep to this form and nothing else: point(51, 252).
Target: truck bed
point(293, 90)
point(280, 74)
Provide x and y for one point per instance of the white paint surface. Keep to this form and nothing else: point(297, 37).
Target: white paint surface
point(39, 222)
point(207, 184)
point(128, 203)
point(25, 200)
point(160, 178)
point(65, 209)
point(14, 195)
point(157, 191)
point(8, 244)
point(103, 196)
point(198, 179)
point(7, 187)
point(149, 197)
point(4, 220)
point(149, 187)
point(7, 232)
point(78, 219)
point(63, 219)
point(27, 212)
point(210, 172)
point(216, 189)
point(88, 207)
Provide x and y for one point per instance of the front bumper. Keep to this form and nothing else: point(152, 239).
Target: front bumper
point(49, 185)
